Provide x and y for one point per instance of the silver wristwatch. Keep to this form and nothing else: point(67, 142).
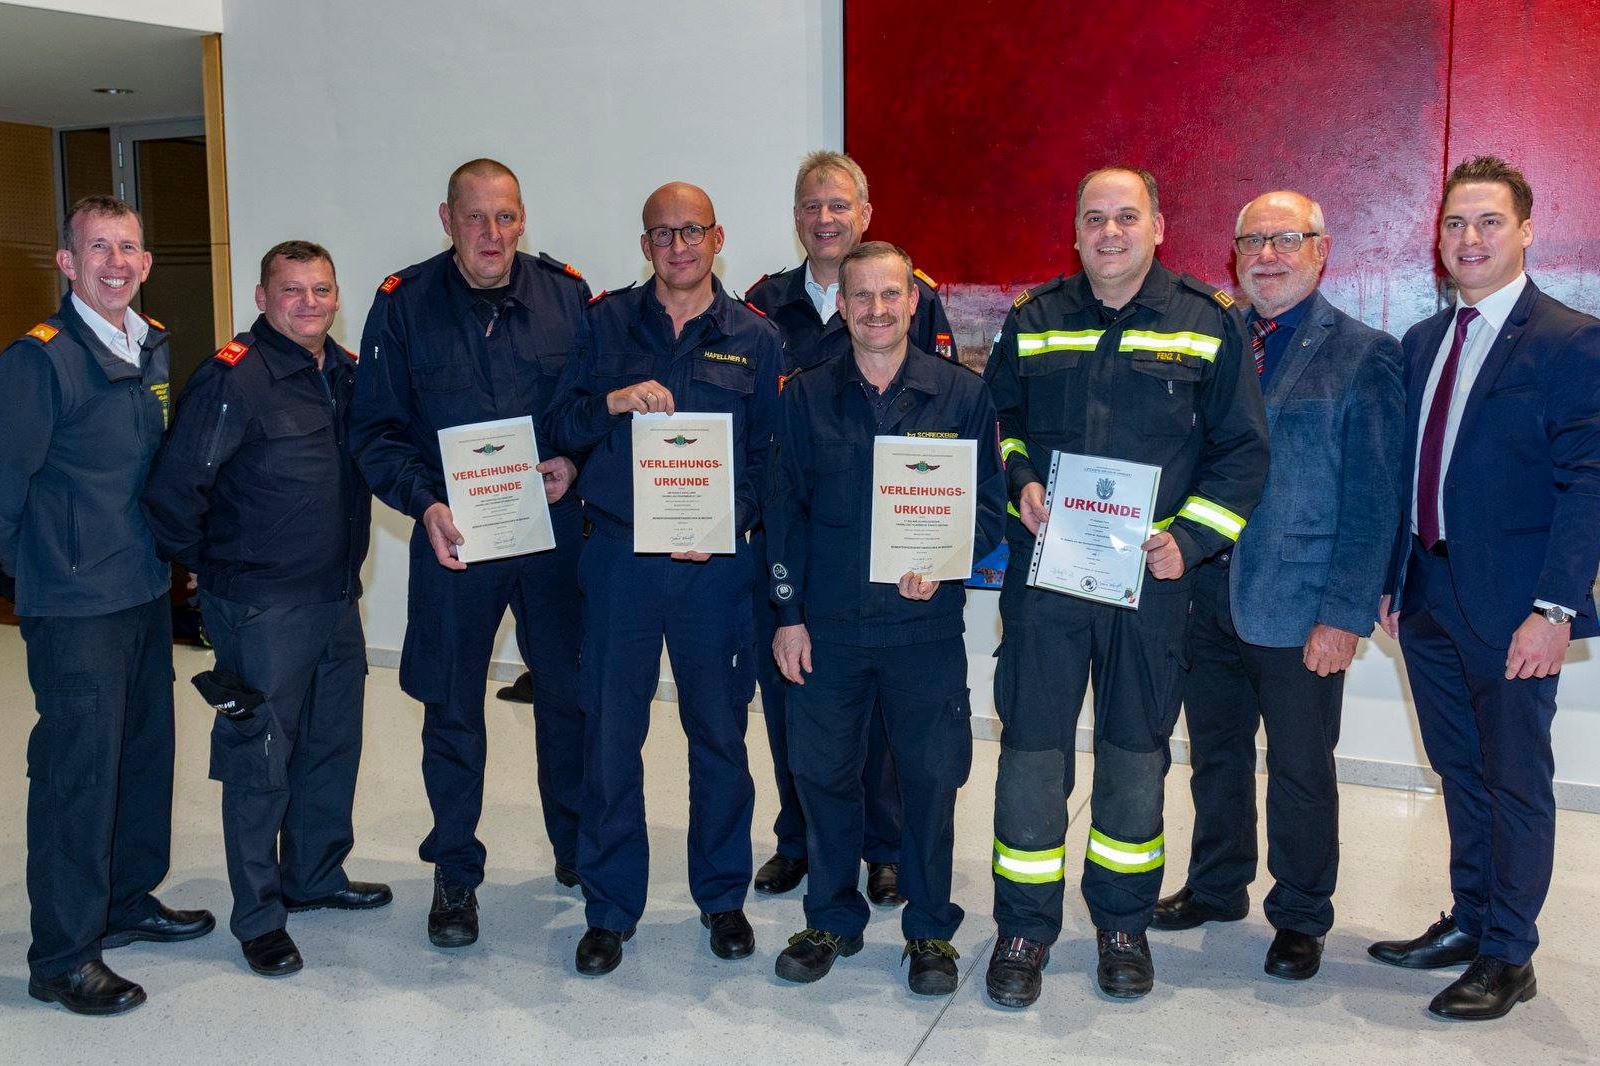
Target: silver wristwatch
point(1556, 616)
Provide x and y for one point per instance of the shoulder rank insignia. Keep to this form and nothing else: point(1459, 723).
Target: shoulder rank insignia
point(153, 322)
point(929, 282)
point(44, 333)
point(1022, 297)
point(355, 357)
point(756, 309)
point(783, 379)
point(752, 286)
point(574, 271)
point(1222, 298)
point(597, 297)
point(232, 352)
point(390, 283)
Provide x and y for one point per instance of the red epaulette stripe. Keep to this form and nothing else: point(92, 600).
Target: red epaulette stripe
point(574, 271)
point(355, 357)
point(232, 352)
point(597, 297)
point(756, 309)
point(44, 332)
point(390, 283)
point(153, 322)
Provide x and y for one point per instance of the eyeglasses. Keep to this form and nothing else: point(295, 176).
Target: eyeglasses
point(1255, 243)
point(694, 233)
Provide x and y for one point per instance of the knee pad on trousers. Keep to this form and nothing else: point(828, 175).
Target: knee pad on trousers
point(1128, 791)
point(1030, 799)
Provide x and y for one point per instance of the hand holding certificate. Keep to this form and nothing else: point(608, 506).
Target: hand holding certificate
point(495, 491)
point(1101, 514)
point(683, 498)
point(923, 509)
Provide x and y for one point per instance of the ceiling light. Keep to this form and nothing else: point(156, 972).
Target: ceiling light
point(114, 91)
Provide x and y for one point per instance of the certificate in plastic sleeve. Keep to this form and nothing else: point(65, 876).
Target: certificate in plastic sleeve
point(683, 483)
point(495, 490)
point(1101, 511)
point(922, 508)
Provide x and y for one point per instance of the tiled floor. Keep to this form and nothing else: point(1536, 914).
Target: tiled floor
point(375, 991)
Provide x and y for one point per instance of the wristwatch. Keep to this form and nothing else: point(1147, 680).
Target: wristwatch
point(1556, 616)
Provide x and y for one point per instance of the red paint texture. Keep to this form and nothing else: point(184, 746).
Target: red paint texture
point(1359, 104)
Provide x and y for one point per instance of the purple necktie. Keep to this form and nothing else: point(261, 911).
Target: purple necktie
point(1430, 459)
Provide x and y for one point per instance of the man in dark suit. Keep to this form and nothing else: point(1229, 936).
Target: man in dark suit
point(1277, 619)
point(1493, 574)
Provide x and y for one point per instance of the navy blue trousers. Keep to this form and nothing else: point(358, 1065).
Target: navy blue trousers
point(99, 778)
point(289, 772)
point(452, 618)
point(880, 841)
point(1489, 741)
point(702, 610)
point(920, 691)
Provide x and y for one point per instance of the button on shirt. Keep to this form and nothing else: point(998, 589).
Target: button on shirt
point(1493, 310)
point(825, 300)
point(124, 343)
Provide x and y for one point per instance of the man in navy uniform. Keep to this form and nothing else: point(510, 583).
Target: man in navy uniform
point(850, 646)
point(479, 332)
point(676, 343)
point(1493, 574)
point(85, 396)
point(255, 492)
point(831, 213)
point(1278, 616)
point(1131, 361)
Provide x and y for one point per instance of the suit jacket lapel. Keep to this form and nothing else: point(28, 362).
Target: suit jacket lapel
point(1504, 345)
point(1310, 334)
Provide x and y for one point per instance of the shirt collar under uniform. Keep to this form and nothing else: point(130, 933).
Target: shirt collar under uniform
point(125, 343)
point(824, 298)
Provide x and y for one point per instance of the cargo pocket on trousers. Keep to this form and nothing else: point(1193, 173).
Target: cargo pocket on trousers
point(65, 749)
point(955, 755)
point(248, 753)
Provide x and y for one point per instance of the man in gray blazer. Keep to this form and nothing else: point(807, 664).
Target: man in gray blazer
point(1276, 625)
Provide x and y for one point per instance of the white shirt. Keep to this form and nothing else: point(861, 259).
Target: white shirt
point(825, 300)
point(124, 343)
point(1493, 310)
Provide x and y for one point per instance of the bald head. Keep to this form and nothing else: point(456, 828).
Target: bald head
point(681, 215)
point(678, 197)
point(1274, 279)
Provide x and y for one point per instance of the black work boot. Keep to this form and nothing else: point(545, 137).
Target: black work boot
point(1016, 969)
point(1126, 970)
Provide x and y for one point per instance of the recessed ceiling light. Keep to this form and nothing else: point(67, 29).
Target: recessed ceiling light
point(114, 91)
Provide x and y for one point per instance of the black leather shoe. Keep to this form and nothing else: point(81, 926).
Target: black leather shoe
point(272, 954)
point(355, 896)
point(1126, 970)
point(779, 874)
point(1489, 989)
point(1016, 970)
point(1442, 945)
point(165, 926)
point(1294, 956)
point(453, 921)
point(731, 935)
point(566, 876)
point(1184, 910)
point(933, 967)
point(88, 988)
point(883, 884)
point(600, 950)
point(520, 692)
point(810, 954)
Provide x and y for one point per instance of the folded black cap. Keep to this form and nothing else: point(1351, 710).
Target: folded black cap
point(228, 693)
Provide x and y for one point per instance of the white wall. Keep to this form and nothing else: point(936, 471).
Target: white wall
point(344, 120)
point(202, 15)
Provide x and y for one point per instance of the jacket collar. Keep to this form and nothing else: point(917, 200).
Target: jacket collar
point(114, 367)
point(284, 357)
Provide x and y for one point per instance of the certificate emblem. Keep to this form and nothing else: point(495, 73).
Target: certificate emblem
point(1104, 488)
point(490, 448)
point(922, 467)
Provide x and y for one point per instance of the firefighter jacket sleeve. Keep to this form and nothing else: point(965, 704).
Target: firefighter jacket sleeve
point(206, 432)
point(788, 511)
point(1005, 389)
point(33, 400)
point(381, 416)
point(1233, 459)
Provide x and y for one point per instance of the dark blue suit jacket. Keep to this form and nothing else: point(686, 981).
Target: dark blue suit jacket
point(1315, 547)
point(1522, 494)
